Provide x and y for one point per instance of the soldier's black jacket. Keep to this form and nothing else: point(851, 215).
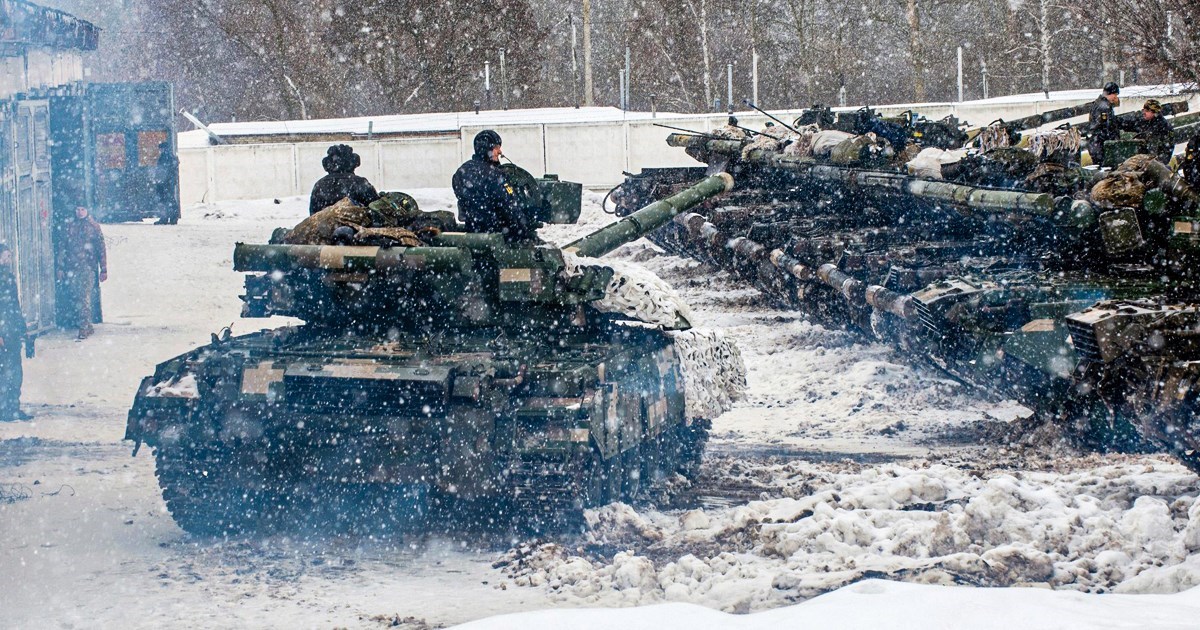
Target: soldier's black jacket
point(1103, 124)
point(487, 203)
point(1156, 133)
point(335, 186)
point(12, 321)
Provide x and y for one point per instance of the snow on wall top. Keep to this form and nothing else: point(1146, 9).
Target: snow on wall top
point(453, 122)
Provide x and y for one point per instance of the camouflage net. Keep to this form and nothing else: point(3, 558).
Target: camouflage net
point(1045, 144)
point(714, 375)
point(713, 372)
point(993, 137)
point(184, 386)
point(635, 293)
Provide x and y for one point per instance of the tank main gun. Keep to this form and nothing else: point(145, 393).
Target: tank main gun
point(650, 218)
point(979, 200)
point(459, 279)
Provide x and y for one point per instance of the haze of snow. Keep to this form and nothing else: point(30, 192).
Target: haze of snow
point(878, 475)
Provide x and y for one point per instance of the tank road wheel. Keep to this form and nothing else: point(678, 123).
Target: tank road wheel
point(210, 494)
point(691, 439)
point(631, 473)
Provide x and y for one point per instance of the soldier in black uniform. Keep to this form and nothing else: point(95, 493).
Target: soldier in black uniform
point(1155, 131)
point(341, 182)
point(1103, 124)
point(12, 334)
point(486, 201)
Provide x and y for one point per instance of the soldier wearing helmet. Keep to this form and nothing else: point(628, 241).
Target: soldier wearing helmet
point(1155, 131)
point(1103, 124)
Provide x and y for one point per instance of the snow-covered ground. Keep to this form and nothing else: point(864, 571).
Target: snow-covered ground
point(849, 489)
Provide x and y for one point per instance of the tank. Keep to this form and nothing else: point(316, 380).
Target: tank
point(468, 370)
point(1080, 305)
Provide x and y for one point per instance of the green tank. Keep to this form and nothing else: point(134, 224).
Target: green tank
point(1081, 301)
point(467, 370)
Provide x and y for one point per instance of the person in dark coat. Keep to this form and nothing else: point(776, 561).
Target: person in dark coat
point(166, 171)
point(1103, 124)
point(341, 182)
point(1189, 164)
point(486, 201)
point(12, 335)
point(1155, 131)
point(84, 263)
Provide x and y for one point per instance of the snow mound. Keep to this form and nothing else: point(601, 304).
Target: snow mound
point(928, 163)
point(1129, 527)
point(179, 387)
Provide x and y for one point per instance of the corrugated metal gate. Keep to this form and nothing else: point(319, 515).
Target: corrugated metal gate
point(25, 213)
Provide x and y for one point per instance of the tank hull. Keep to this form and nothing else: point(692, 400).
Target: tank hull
point(260, 430)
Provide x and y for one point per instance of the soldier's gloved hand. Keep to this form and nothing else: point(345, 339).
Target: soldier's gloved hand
point(103, 276)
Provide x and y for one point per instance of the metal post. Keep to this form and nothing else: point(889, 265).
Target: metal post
point(1170, 57)
point(754, 77)
point(628, 78)
point(503, 82)
point(621, 93)
point(729, 86)
point(960, 79)
point(983, 66)
point(487, 83)
point(653, 106)
point(574, 65)
point(588, 87)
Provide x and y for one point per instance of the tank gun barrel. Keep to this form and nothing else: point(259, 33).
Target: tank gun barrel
point(650, 218)
point(982, 199)
point(255, 257)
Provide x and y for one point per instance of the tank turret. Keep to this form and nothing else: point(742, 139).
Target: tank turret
point(465, 369)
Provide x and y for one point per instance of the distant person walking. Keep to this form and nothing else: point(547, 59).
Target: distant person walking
point(341, 182)
point(166, 172)
point(84, 266)
point(12, 335)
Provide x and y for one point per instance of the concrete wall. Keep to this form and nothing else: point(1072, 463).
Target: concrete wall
point(592, 153)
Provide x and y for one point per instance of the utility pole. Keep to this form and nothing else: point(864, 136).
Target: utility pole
point(729, 86)
point(960, 73)
point(504, 82)
point(588, 100)
point(628, 78)
point(574, 64)
point(754, 77)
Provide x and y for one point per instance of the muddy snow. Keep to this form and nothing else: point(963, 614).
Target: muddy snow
point(849, 486)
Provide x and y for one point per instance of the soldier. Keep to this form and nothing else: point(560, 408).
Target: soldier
point(83, 257)
point(731, 130)
point(1189, 164)
point(1155, 131)
point(12, 334)
point(486, 201)
point(1103, 124)
point(341, 182)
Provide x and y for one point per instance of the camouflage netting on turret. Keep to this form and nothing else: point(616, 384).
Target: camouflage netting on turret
point(714, 376)
point(636, 293)
point(713, 372)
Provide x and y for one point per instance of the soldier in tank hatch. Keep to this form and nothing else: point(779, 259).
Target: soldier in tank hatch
point(340, 182)
point(1103, 124)
point(1155, 131)
point(486, 200)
